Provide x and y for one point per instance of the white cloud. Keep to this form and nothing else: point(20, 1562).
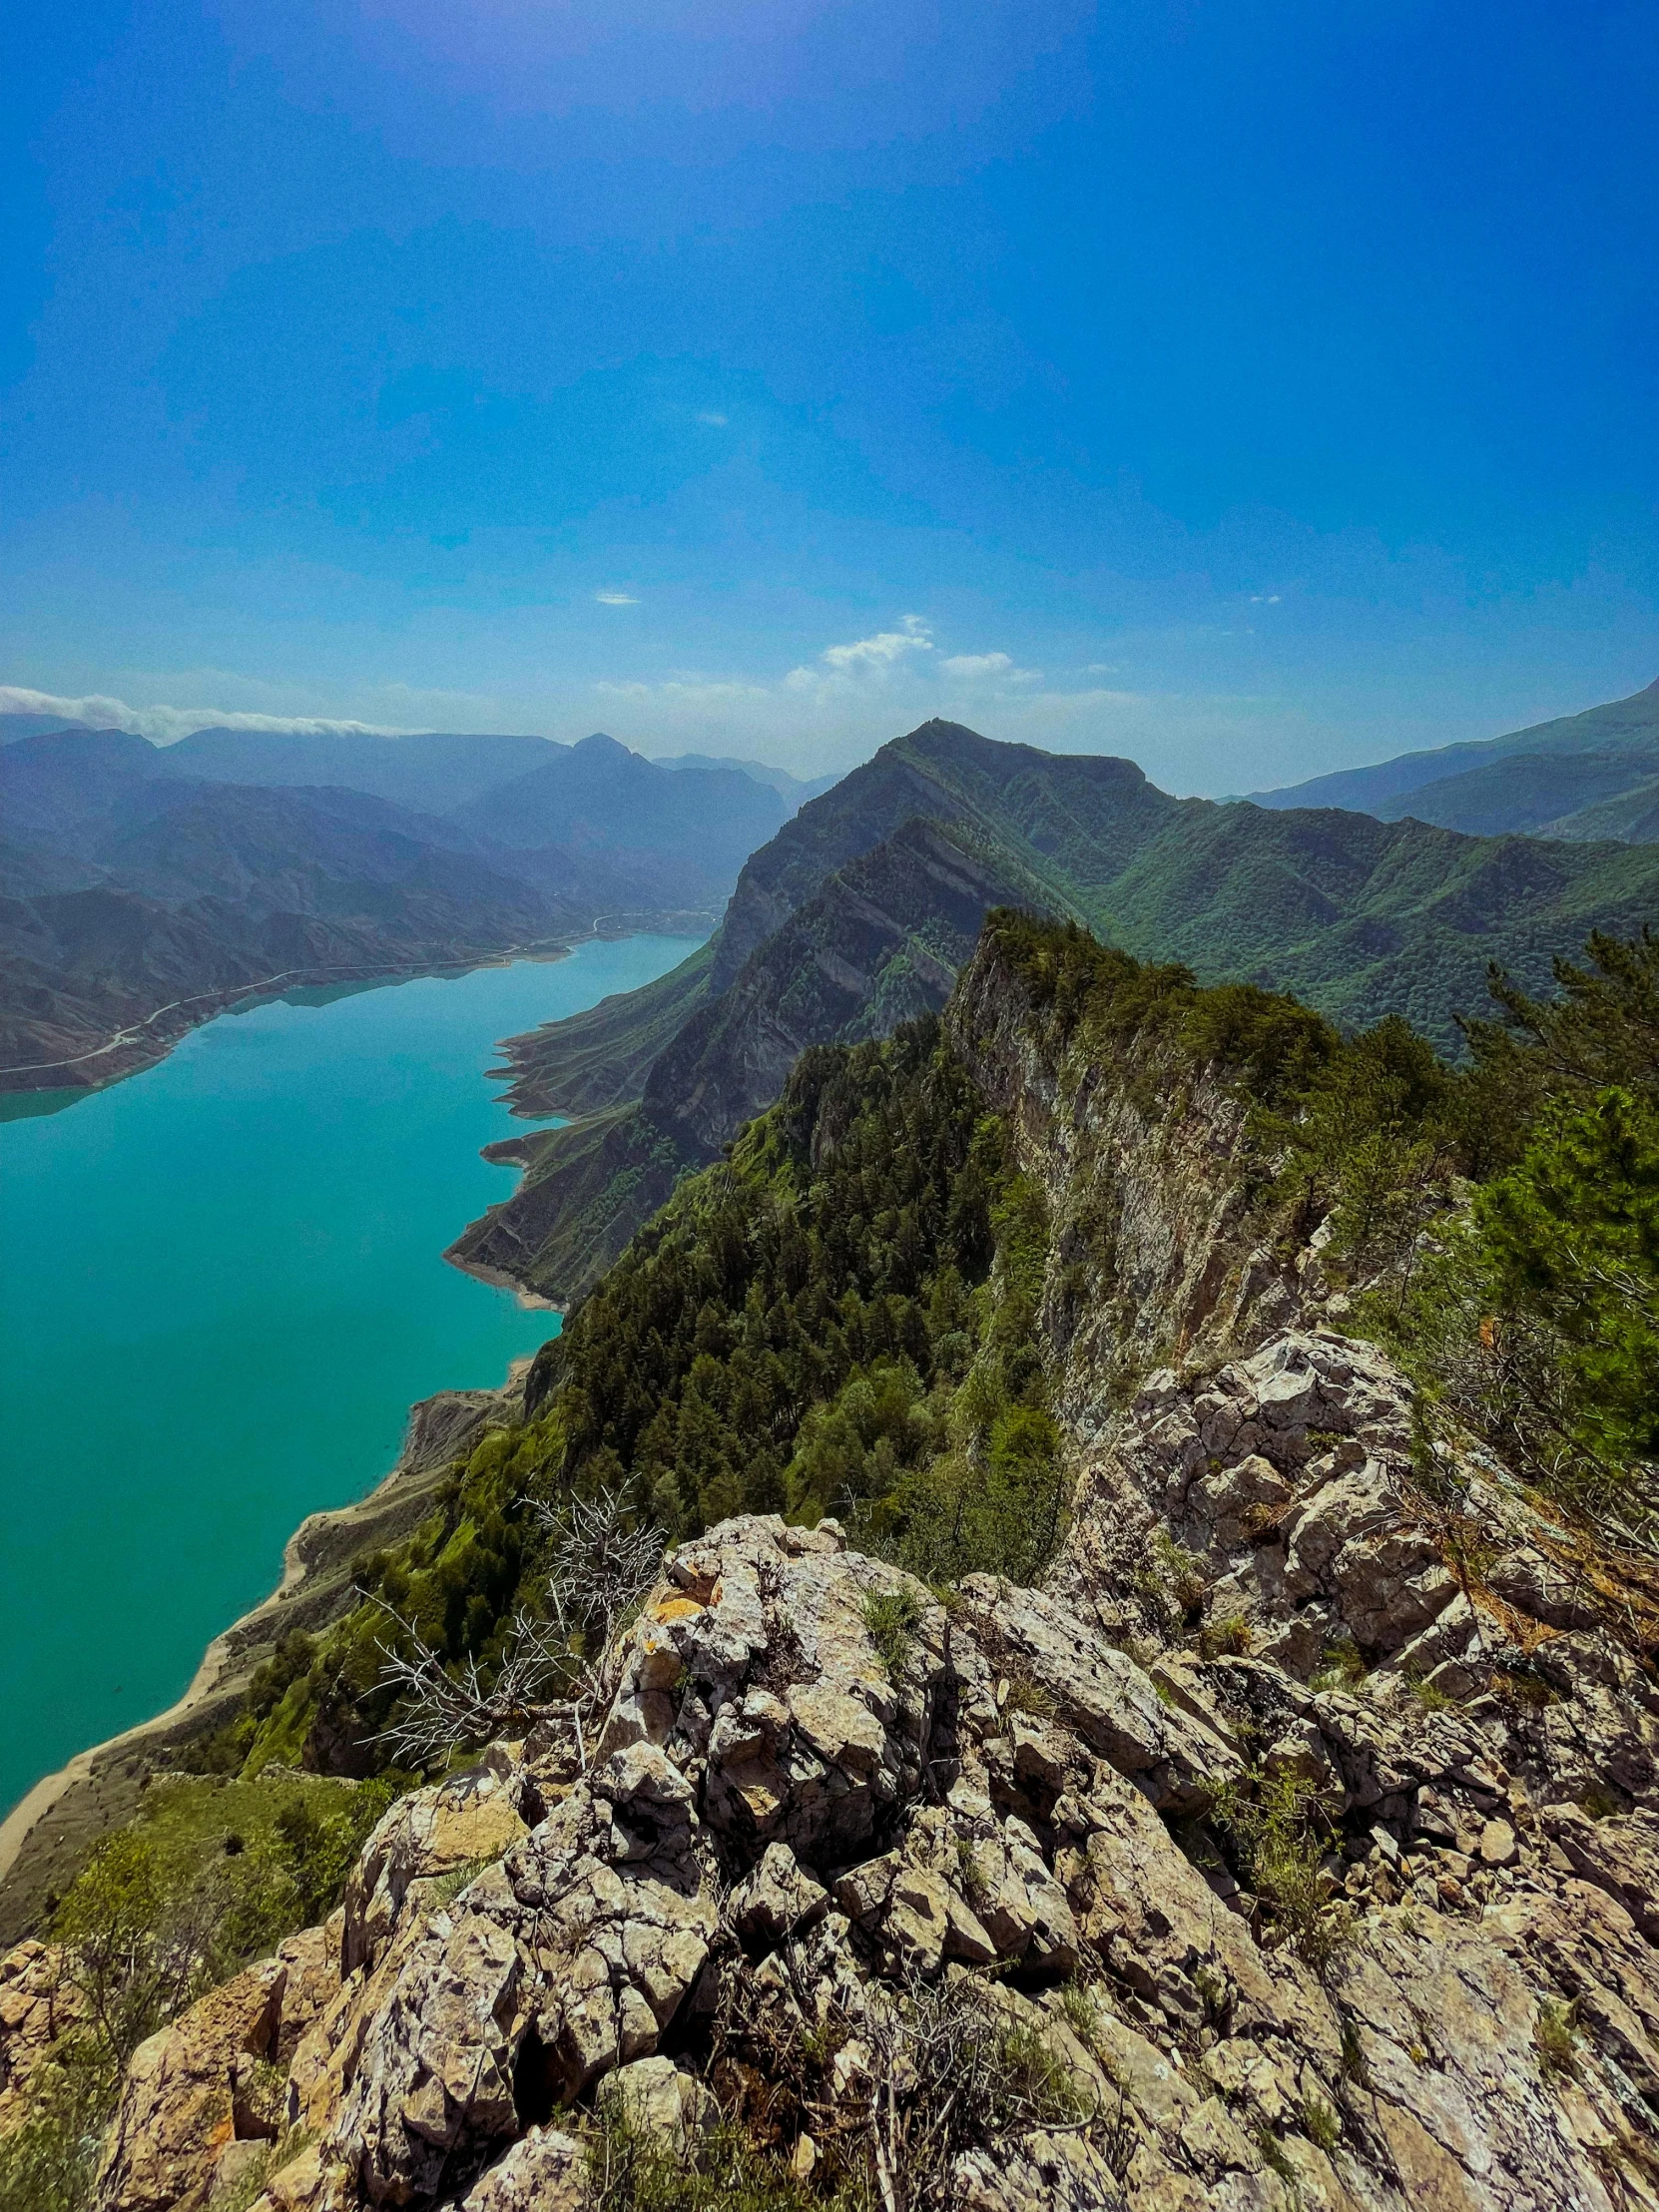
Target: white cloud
point(981, 668)
point(691, 690)
point(883, 650)
point(714, 421)
point(1265, 597)
point(165, 724)
point(616, 598)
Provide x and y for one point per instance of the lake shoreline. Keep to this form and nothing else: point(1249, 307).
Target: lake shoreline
point(130, 1052)
point(48, 1830)
point(500, 1279)
point(338, 1178)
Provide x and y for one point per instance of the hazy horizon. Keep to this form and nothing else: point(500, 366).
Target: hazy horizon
point(1251, 392)
point(166, 724)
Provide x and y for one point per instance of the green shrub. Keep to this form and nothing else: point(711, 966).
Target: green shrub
point(1025, 1694)
point(1340, 1667)
point(1080, 2008)
point(890, 1616)
point(1277, 1835)
point(1274, 2156)
point(636, 2170)
point(1430, 1699)
point(1229, 1636)
point(1169, 1582)
point(1320, 2124)
point(1556, 2035)
point(49, 2162)
point(210, 1876)
point(1537, 1321)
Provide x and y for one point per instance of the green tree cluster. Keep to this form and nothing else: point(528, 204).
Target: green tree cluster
point(844, 1316)
point(1537, 1318)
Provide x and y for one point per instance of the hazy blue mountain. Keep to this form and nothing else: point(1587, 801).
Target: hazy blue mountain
point(599, 797)
point(54, 783)
point(788, 786)
point(126, 884)
point(1534, 780)
point(429, 771)
point(16, 725)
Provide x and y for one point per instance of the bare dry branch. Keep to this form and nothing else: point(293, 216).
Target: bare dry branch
point(551, 1667)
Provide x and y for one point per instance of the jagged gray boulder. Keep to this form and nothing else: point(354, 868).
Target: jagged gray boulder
point(787, 1833)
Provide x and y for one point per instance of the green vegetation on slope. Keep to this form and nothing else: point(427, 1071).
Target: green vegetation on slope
point(211, 1876)
point(600, 1057)
point(586, 1188)
point(845, 1316)
point(840, 1320)
point(1536, 1315)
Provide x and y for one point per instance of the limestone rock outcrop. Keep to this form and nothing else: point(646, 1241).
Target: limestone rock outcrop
point(795, 1834)
point(38, 2003)
point(203, 2098)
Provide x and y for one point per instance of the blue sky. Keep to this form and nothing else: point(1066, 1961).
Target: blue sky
point(1249, 389)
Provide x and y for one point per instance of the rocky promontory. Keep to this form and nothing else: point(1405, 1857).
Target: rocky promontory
point(1213, 1759)
point(832, 1840)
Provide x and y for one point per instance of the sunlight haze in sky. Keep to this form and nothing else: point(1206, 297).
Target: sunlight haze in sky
point(1251, 390)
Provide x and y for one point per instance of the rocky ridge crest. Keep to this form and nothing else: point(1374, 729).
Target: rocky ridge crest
point(795, 1823)
point(1293, 1845)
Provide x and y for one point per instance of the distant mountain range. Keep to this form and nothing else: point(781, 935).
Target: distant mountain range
point(141, 886)
point(792, 788)
point(860, 909)
point(1581, 778)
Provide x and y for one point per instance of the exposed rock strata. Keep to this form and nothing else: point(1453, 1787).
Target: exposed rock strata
point(776, 1828)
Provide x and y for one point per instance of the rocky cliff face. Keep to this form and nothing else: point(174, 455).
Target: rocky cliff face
point(801, 1843)
point(1294, 1845)
point(880, 944)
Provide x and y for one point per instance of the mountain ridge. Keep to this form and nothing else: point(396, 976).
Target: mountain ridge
point(1527, 779)
point(1362, 917)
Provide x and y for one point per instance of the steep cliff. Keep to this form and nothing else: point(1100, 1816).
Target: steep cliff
point(842, 924)
point(1279, 1827)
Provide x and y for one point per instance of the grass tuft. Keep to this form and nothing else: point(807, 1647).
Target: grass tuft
point(1556, 2035)
point(891, 1618)
point(1320, 2125)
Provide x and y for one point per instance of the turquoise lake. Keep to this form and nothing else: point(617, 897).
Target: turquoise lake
point(220, 1289)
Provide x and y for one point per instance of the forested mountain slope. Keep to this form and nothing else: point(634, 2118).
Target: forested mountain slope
point(1149, 1698)
point(831, 934)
